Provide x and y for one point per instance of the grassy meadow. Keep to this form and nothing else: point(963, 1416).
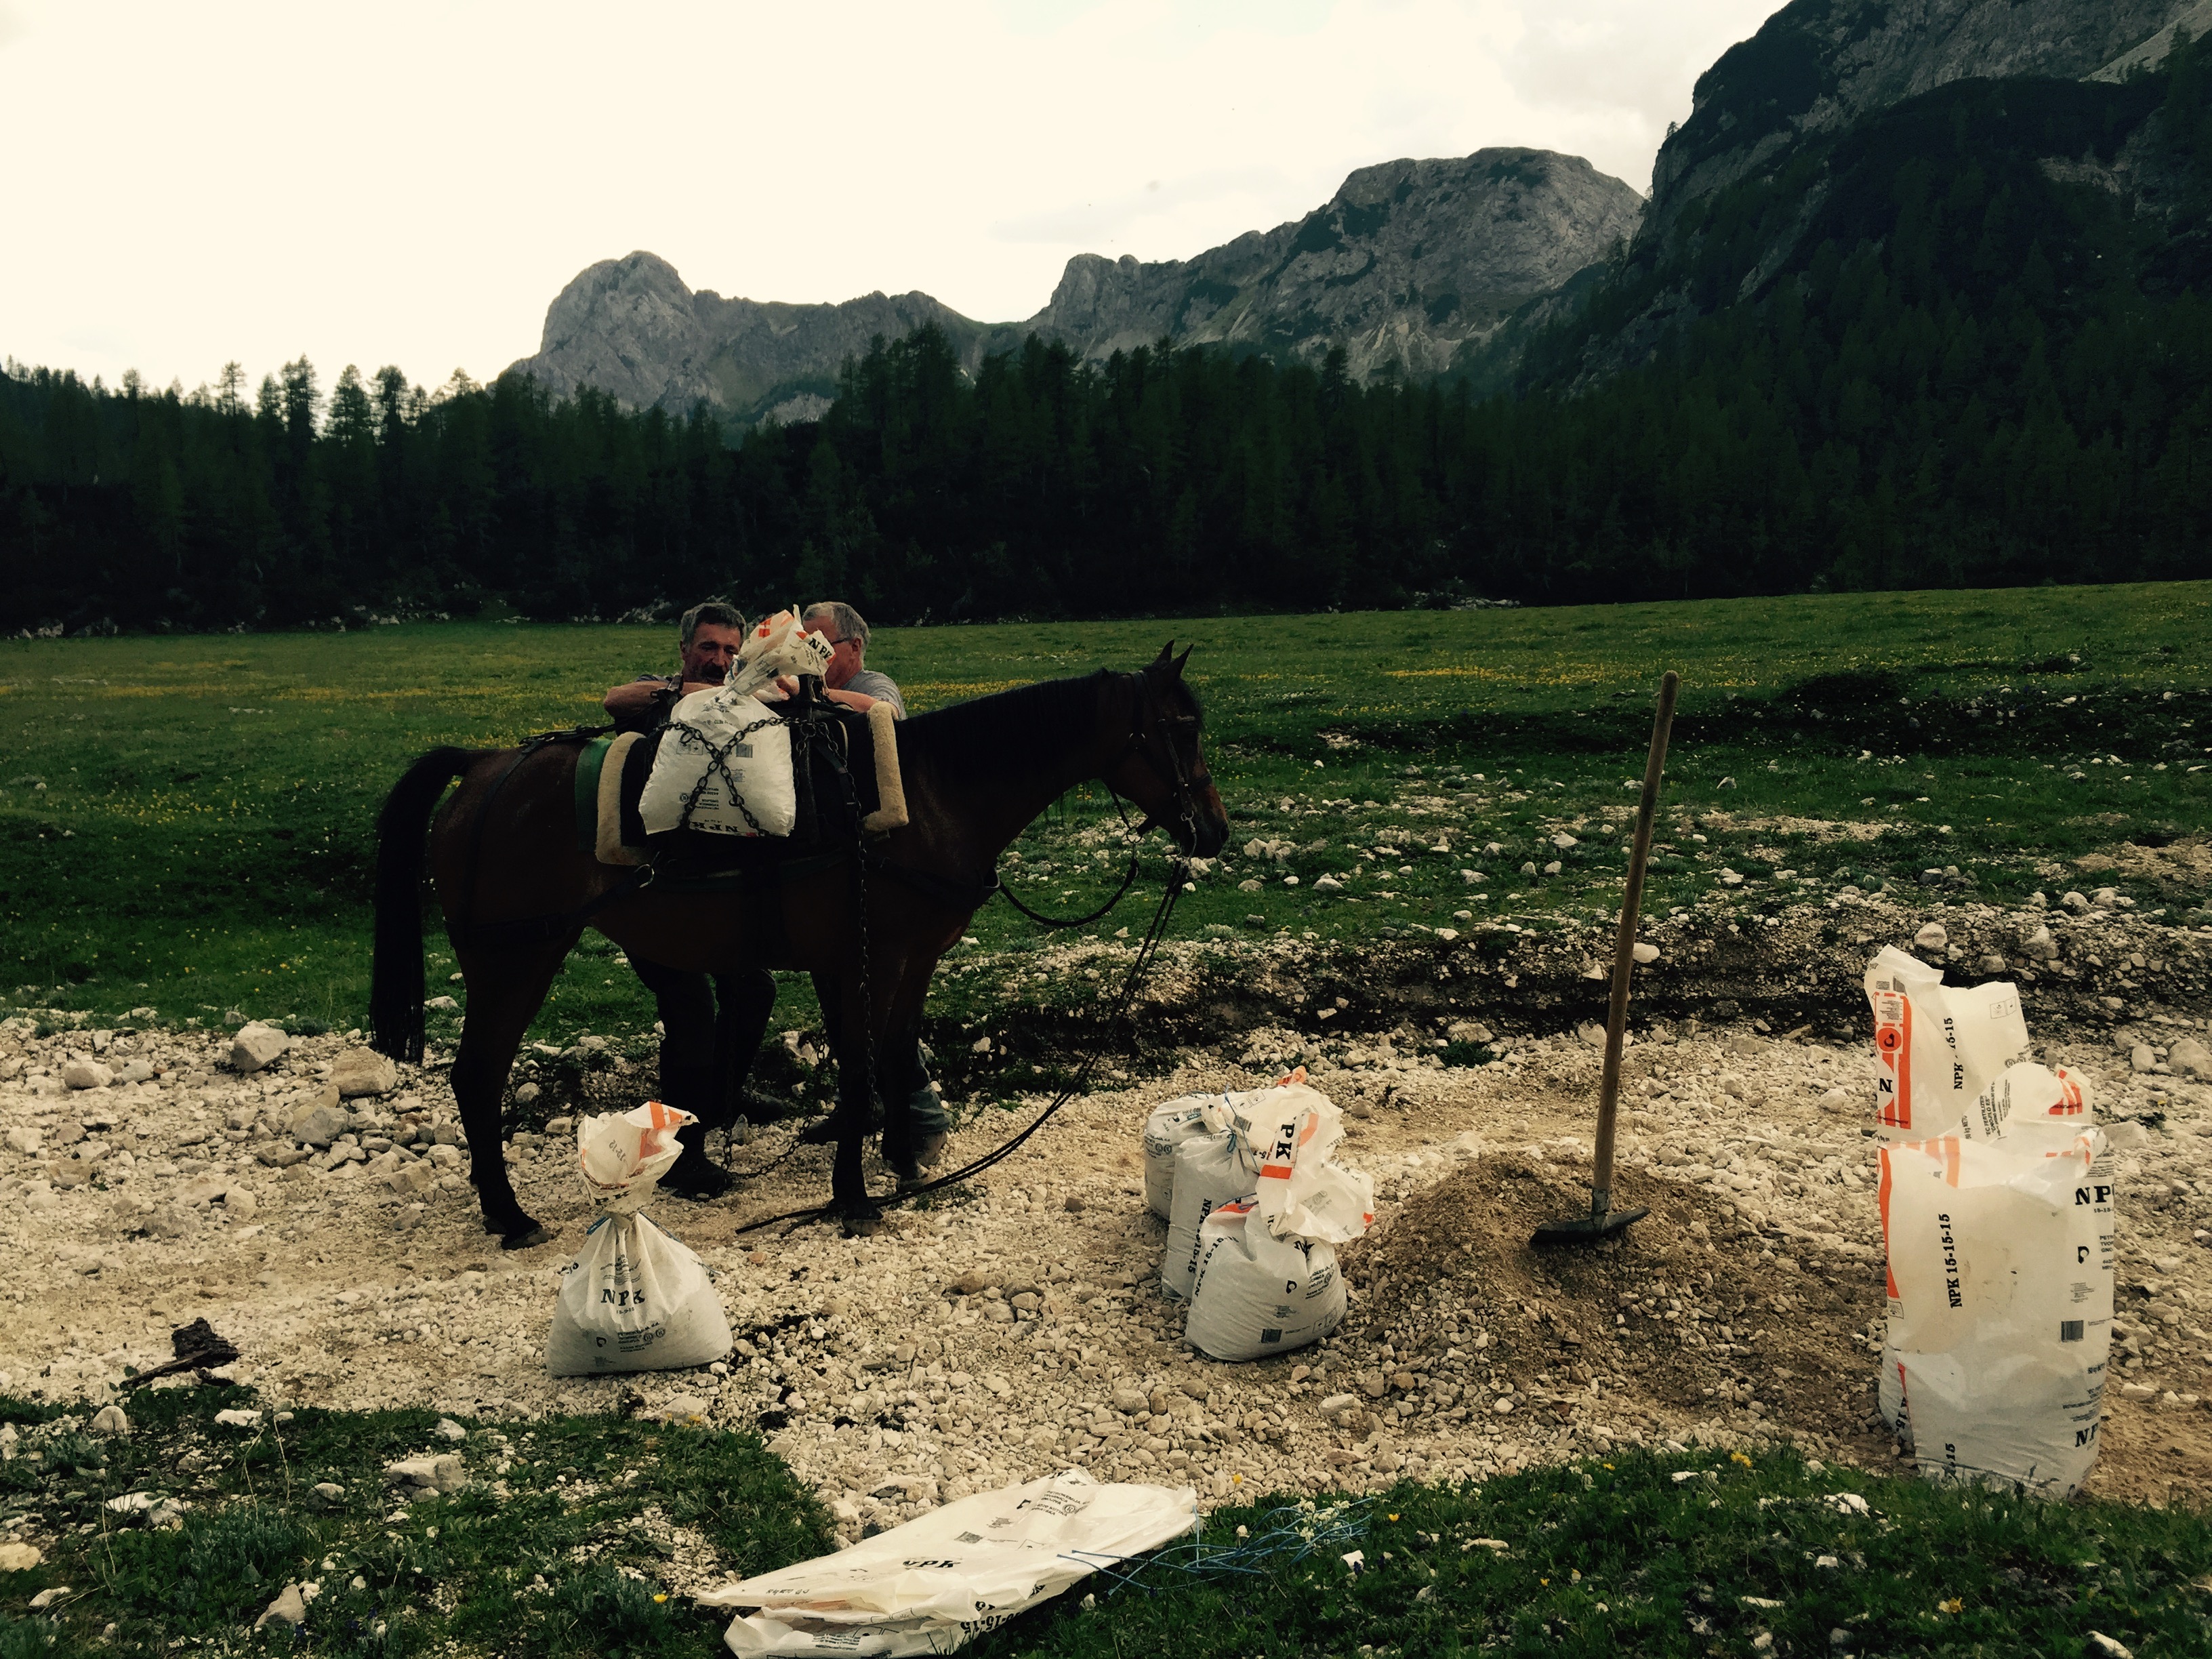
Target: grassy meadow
point(573, 1528)
point(188, 820)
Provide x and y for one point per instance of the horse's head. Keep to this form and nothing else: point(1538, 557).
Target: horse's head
point(1164, 769)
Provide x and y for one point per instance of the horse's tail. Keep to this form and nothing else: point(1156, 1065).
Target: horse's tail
point(395, 983)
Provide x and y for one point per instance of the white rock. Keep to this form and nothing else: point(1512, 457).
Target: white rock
point(1931, 936)
point(256, 1045)
point(441, 1473)
point(2101, 1644)
point(446, 1429)
point(319, 1124)
point(110, 1420)
point(1838, 1101)
point(364, 1071)
point(46, 1598)
point(20, 1558)
point(1646, 953)
point(238, 1417)
point(2141, 1058)
point(2190, 1058)
point(87, 1074)
point(290, 1607)
point(24, 1139)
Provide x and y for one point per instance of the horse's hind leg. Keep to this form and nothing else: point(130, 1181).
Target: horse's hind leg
point(505, 990)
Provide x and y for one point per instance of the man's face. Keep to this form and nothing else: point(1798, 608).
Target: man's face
point(844, 658)
point(713, 647)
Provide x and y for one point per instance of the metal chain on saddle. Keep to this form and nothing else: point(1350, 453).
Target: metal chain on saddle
point(718, 761)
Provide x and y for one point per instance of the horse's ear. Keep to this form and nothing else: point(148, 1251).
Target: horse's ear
point(1166, 658)
point(1183, 658)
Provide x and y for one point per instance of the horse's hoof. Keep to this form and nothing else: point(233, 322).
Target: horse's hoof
point(859, 1218)
point(929, 1152)
point(516, 1229)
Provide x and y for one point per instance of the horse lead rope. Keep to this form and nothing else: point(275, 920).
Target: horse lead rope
point(1148, 948)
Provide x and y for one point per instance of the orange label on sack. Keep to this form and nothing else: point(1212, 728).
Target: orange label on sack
point(1882, 1203)
point(2070, 1098)
point(1289, 1140)
point(1893, 1057)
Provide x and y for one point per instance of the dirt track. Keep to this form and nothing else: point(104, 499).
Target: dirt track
point(1757, 1310)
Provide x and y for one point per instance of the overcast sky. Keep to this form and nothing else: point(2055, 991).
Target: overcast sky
point(412, 181)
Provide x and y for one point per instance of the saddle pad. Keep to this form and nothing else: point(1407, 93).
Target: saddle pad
point(890, 788)
point(602, 828)
point(724, 767)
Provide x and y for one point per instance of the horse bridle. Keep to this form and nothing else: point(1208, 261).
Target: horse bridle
point(1173, 777)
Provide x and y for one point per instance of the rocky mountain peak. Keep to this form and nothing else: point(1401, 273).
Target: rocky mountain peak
point(1818, 65)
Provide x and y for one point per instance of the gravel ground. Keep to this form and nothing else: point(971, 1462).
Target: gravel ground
point(1012, 1331)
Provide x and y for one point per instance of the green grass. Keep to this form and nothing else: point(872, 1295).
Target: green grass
point(568, 1560)
point(203, 838)
point(1619, 1557)
point(576, 1556)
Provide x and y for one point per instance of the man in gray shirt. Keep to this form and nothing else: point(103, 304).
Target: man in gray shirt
point(849, 679)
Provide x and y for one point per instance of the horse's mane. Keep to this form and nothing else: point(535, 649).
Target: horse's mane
point(980, 738)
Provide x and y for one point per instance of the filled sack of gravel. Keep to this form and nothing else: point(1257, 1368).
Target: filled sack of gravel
point(1936, 1046)
point(932, 1584)
point(1256, 1294)
point(1304, 1193)
point(634, 1299)
point(1213, 1168)
point(1166, 1127)
point(1999, 1301)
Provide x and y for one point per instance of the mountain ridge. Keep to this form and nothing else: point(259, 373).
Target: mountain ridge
point(1411, 263)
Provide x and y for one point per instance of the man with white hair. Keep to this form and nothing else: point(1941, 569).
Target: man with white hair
point(849, 680)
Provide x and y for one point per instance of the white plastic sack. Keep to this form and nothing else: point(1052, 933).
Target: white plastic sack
point(1999, 1301)
point(1167, 1128)
point(1218, 1167)
point(776, 646)
point(1188, 1116)
point(1258, 1295)
point(1303, 1193)
point(2028, 1093)
point(724, 765)
point(932, 1584)
point(624, 1155)
point(635, 1300)
point(1936, 1046)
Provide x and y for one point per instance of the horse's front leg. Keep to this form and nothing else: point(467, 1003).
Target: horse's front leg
point(851, 1031)
point(505, 991)
point(915, 1126)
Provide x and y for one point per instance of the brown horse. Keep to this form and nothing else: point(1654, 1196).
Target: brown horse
point(503, 854)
